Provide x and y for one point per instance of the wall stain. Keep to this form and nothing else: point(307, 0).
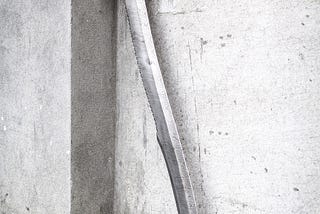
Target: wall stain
point(145, 138)
point(10, 23)
point(202, 43)
point(296, 189)
point(4, 206)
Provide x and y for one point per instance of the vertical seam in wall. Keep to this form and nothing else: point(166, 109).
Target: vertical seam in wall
point(71, 91)
point(114, 61)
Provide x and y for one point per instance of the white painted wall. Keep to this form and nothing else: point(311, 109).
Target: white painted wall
point(243, 80)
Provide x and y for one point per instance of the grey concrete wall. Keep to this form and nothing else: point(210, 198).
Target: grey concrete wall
point(93, 106)
point(37, 78)
point(142, 184)
point(35, 106)
point(243, 80)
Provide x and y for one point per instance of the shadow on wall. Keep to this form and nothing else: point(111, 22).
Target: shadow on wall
point(93, 106)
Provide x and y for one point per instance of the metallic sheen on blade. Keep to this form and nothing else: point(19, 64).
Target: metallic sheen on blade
point(167, 133)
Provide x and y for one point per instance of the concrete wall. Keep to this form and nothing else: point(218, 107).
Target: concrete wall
point(37, 78)
point(35, 106)
point(93, 106)
point(243, 80)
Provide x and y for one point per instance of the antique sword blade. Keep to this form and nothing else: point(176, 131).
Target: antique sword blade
point(167, 133)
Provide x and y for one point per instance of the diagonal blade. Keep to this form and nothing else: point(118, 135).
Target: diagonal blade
point(167, 133)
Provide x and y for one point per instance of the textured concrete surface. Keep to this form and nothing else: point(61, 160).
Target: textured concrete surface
point(243, 80)
point(35, 106)
point(142, 184)
point(93, 106)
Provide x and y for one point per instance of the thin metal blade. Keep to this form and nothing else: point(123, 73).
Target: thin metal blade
point(167, 133)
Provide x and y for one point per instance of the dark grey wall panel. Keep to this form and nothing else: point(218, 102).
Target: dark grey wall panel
point(93, 106)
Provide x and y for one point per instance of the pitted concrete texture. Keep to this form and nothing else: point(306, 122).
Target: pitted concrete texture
point(243, 80)
point(244, 83)
point(35, 106)
point(142, 184)
point(93, 106)
point(37, 78)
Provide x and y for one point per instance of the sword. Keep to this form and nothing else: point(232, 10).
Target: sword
point(167, 133)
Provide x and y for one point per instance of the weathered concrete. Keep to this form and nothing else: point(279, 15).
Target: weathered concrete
point(35, 106)
point(35, 116)
point(142, 184)
point(243, 80)
point(93, 106)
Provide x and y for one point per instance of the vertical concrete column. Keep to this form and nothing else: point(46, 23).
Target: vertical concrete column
point(93, 106)
point(41, 75)
point(35, 106)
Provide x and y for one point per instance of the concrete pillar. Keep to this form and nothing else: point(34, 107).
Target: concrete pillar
point(57, 106)
point(243, 80)
point(35, 110)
